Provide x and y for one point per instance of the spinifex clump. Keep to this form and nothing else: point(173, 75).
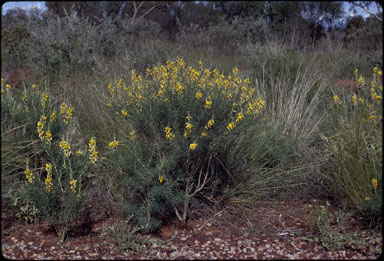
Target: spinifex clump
point(176, 125)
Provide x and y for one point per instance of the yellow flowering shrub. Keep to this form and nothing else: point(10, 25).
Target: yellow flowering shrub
point(180, 118)
point(356, 144)
point(54, 176)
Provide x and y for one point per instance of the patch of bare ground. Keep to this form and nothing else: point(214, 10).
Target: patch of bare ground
point(272, 231)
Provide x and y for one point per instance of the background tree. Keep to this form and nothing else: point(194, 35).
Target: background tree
point(365, 6)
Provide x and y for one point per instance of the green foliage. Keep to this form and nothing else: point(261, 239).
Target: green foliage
point(179, 121)
point(54, 183)
point(356, 147)
point(124, 236)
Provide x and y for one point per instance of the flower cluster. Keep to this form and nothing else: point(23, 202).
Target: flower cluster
point(72, 185)
point(92, 150)
point(29, 175)
point(188, 127)
point(66, 148)
point(113, 144)
point(168, 134)
point(210, 123)
point(48, 137)
point(192, 146)
point(48, 180)
point(44, 99)
point(133, 135)
point(374, 183)
point(40, 126)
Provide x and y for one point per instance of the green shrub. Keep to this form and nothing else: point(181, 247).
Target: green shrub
point(54, 175)
point(176, 125)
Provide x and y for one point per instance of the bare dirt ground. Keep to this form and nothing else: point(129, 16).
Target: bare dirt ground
point(273, 231)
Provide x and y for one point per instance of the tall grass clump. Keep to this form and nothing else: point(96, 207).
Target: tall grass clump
point(178, 124)
point(55, 165)
point(294, 101)
point(355, 144)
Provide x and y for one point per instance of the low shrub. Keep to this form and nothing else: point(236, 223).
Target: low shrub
point(54, 174)
point(177, 124)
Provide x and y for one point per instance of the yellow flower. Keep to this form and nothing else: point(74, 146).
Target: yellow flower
point(374, 183)
point(8, 86)
point(34, 86)
point(113, 144)
point(210, 123)
point(199, 95)
point(92, 151)
point(367, 198)
point(192, 146)
point(229, 96)
point(66, 148)
point(161, 179)
point(40, 127)
point(372, 117)
point(208, 103)
point(168, 134)
point(53, 116)
point(336, 99)
point(204, 134)
point(361, 100)
point(356, 72)
point(44, 99)
point(62, 108)
point(379, 73)
point(231, 126)
point(69, 115)
point(48, 184)
point(79, 153)
point(29, 175)
point(260, 103)
point(48, 137)
point(353, 99)
point(235, 71)
point(361, 81)
point(133, 135)
point(188, 129)
point(73, 184)
point(376, 97)
point(240, 116)
point(48, 168)
point(124, 113)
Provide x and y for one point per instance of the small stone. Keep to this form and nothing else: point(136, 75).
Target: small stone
point(217, 239)
point(268, 245)
point(233, 249)
point(269, 250)
point(253, 250)
point(197, 242)
point(183, 238)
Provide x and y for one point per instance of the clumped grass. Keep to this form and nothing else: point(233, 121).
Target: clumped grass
point(355, 145)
